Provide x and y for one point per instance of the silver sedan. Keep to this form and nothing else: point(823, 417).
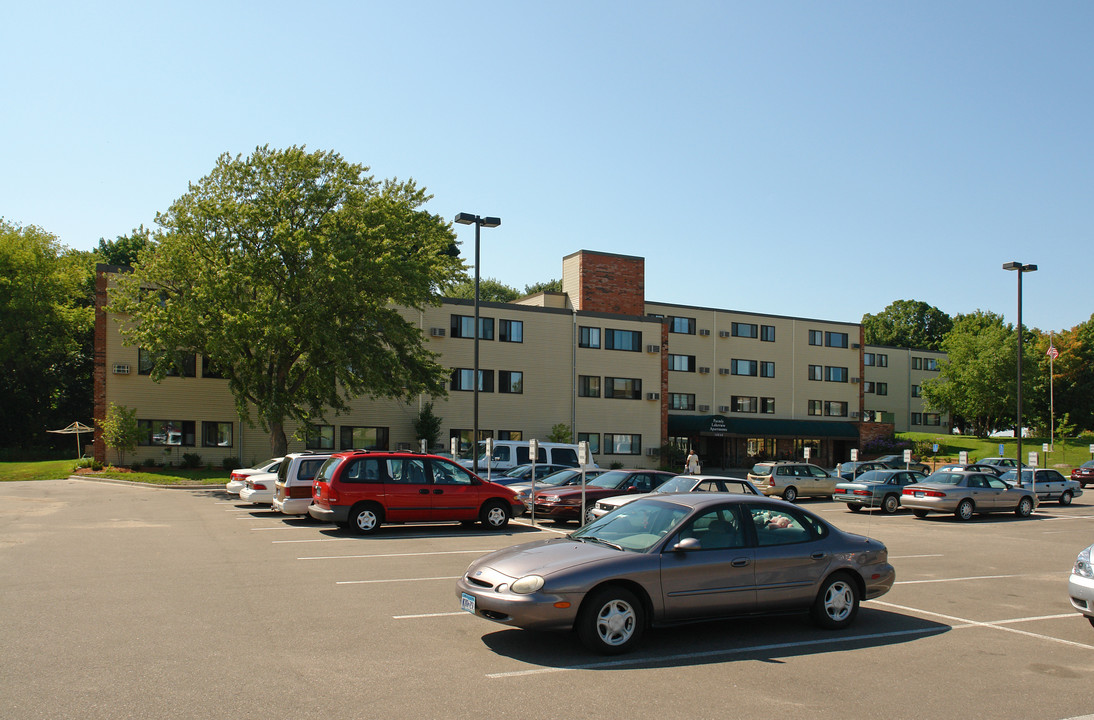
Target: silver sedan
point(965, 494)
point(676, 558)
point(1080, 586)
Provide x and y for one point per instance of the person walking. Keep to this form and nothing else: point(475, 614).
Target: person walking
point(691, 465)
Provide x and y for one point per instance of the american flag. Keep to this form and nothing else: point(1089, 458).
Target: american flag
point(1053, 352)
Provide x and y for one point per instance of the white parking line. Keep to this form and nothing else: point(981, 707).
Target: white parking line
point(960, 579)
point(714, 653)
point(430, 615)
point(397, 580)
point(907, 557)
point(997, 624)
point(391, 555)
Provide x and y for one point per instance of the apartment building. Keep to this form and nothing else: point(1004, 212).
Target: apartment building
point(893, 388)
point(625, 374)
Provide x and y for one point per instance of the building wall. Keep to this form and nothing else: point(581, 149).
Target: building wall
point(900, 374)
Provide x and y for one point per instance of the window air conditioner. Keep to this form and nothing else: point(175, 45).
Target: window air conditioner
point(723, 333)
point(704, 408)
point(653, 451)
point(704, 332)
point(121, 369)
point(653, 396)
point(855, 381)
point(436, 332)
point(723, 408)
point(704, 370)
point(723, 371)
point(653, 348)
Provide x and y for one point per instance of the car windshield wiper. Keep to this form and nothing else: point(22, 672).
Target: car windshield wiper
point(602, 541)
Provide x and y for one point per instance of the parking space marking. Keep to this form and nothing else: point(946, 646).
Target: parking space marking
point(396, 580)
point(432, 615)
point(714, 653)
point(391, 555)
point(996, 624)
point(545, 529)
point(960, 579)
point(906, 557)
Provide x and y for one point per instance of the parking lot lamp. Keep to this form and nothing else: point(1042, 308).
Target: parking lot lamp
point(1018, 431)
point(478, 222)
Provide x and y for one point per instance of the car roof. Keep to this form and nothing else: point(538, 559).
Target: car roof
point(701, 500)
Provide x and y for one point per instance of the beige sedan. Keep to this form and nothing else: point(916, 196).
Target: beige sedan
point(966, 494)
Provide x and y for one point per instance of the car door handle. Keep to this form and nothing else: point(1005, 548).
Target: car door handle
point(438, 491)
point(740, 562)
point(819, 555)
point(423, 491)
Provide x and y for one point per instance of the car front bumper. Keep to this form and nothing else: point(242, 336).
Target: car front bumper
point(1081, 592)
point(538, 611)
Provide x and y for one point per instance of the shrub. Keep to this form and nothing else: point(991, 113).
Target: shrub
point(231, 463)
point(136, 467)
point(96, 465)
point(150, 462)
point(190, 461)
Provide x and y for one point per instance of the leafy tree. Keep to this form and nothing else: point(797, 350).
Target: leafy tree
point(427, 426)
point(1072, 387)
point(549, 286)
point(125, 249)
point(976, 381)
point(490, 290)
point(560, 433)
point(287, 270)
point(46, 320)
point(907, 323)
point(120, 430)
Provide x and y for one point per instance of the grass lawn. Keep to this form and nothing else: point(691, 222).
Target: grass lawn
point(1067, 454)
point(57, 469)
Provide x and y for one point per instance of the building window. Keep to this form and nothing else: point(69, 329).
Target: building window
point(767, 369)
point(588, 337)
point(917, 363)
point(867, 386)
point(319, 437)
point(767, 333)
point(209, 370)
point(588, 386)
point(868, 359)
point(623, 388)
point(593, 439)
point(816, 407)
point(744, 404)
point(932, 419)
point(511, 331)
point(835, 374)
point(682, 401)
point(745, 330)
point(628, 340)
point(461, 380)
point(816, 337)
point(744, 367)
point(216, 434)
point(185, 364)
point(930, 364)
point(682, 363)
point(835, 339)
point(882, 360)
point(881, 388)
point(917, 418)
point(835, 409)
point(816, 372)
point(683, 325)
point(363, 438)
point(167, 432)
point(511, 381)
point(462, 327)
point(510, 435)
point(916, 391)
point(623, 444)
point(767, 406)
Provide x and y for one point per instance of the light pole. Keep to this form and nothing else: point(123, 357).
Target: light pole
point(491, 222)
point(1018, 431)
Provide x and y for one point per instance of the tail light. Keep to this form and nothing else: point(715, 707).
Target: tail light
point(236, 476)
point(933, 493)
point(771, 481)
point(862, 492)
point(259, 486)
point(840, 491)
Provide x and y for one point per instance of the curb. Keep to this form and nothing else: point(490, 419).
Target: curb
point(115, 481)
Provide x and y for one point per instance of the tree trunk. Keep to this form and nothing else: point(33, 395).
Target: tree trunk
point(279, 445)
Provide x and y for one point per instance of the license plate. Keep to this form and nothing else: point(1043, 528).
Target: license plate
point(467, 602)
point(919, 494)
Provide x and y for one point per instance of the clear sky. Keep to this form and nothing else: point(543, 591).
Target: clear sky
point(813, 159)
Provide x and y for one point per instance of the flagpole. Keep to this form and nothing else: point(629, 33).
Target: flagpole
point(1051, 397)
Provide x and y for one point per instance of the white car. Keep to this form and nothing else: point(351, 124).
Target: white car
point(1080, 586)
point(680, 484)
point(293, 490)
point(259, 489)
point(238, 479)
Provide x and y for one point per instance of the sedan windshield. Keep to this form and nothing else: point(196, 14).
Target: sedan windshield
point(611, 479)
point(873, 476)
point(678, 484)
point(944, 478)
point(636, 526)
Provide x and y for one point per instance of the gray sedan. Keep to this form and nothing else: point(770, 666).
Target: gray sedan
point(680, 483)
point(677, 558)
point(1049, 484)
point(876, 488)
point(966, 493)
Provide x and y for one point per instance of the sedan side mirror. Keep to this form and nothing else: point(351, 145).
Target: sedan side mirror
point(686, 544)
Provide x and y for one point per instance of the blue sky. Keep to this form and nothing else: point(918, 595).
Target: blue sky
point(795, 158)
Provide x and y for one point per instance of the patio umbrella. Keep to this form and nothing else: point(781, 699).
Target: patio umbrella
point(74, 429)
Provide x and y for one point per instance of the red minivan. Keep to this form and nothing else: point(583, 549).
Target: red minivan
point(362, 489)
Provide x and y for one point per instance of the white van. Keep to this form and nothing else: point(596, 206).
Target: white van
point(510, 453)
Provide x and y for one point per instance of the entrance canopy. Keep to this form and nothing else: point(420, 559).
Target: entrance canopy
point(718, 425)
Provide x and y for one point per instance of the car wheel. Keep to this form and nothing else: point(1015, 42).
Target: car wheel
point(1065, 499)
point(365, 519)
point(588, 516)
point(890, 504)
point(611, 621)
point(790, 494)
point(853, 508)
point(837, 602)
point(1025, 507)
point(919, 513)
point(964, 510)
point(494, 515)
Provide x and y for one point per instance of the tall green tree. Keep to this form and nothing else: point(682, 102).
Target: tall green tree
point(490, 290)
point(286, 269)
point(1071, 391)
point(124, 249)
point(977, 380)
point(907, 323)
point(47, 317)
point(548, 286)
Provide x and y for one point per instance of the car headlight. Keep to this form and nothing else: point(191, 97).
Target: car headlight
point(527, 584)
point(1082, 564)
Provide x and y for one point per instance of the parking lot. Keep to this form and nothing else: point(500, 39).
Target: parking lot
point(130, 601)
